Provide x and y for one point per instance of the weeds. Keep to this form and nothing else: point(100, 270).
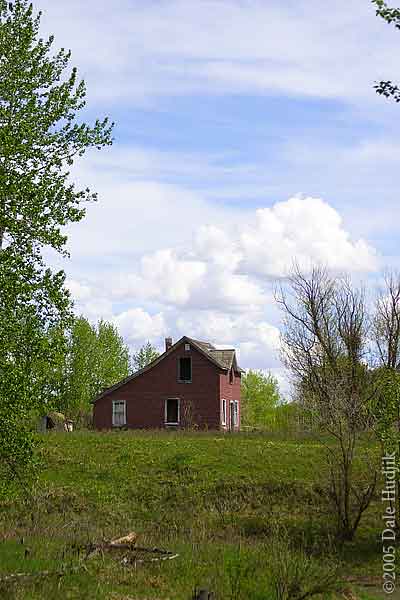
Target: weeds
point(212, 499)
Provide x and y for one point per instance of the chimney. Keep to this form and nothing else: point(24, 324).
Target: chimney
point(168, 343)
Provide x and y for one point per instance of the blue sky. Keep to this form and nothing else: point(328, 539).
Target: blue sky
point(248, 134)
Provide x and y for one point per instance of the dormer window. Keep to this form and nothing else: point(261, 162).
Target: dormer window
point(185, 370)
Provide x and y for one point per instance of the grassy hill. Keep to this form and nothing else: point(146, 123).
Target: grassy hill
point(238, 509)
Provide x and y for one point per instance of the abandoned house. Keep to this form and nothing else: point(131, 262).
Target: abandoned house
point(192, 384)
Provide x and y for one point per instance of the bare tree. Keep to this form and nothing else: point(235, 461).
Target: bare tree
point(387, 323)
point(324, 347)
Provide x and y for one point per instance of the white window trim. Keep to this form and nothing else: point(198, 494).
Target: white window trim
point(223, 411)
point(114, 402)
point(166, 412)
point(236, 412)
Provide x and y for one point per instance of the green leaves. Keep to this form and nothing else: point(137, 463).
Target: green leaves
point(260, 396)
point(40, 138)
point(391, 16)
point(97, 357)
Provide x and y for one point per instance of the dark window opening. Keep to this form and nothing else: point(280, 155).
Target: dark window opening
point(185, 369)
point(172, 411)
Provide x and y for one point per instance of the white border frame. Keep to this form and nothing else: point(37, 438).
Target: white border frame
point(223, 412)
point(112, 415)
point(165, 411)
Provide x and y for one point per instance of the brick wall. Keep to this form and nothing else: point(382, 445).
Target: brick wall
point(230, 391)
point(145, 395)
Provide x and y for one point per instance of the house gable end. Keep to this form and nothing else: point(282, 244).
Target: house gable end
point(184, 340)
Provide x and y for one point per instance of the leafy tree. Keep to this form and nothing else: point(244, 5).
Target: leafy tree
point(391, 16)
point(260, 396)
point(40, 137)
point(80, 369)
point(39, 134)
point(97, 358)
point(145, 355)
point(27, 354)
point(113, 356)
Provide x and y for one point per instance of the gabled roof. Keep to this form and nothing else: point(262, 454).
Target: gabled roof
point(224, 359)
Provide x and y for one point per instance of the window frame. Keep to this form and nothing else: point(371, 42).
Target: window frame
point(166, 422)
point(180, 380)
point(223, 411)
point(236, 413)
point(114, 403)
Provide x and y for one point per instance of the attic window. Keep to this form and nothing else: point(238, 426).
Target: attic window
point(231, 376)
point(187, 347)
point(185, 370)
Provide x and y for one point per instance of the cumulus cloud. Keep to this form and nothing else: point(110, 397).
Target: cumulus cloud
point(170, 278)
point(306, 230)
point(220, 287)
point(80, 291)
point(256, 340)
point(231, 268)
point(216, 246)
point(137, 325)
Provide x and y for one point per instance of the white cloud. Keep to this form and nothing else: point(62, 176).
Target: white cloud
point(256, 341)
point(219, 287)
point(137, 325)
point(306, 230)
point(230, 268)
point(213, 244)
point(174, 279)
point(80, 291)
point(173, 47)
point(95, 308)
point(169, 278)
point(158, 240)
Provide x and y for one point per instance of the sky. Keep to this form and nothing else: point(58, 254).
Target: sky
point(248, 135)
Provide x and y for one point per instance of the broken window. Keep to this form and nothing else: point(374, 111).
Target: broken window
point(185, 370)
point(172, 411)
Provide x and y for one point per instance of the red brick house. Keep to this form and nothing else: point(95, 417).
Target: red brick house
point(192, 384)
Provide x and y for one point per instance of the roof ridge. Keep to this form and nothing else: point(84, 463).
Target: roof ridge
point(208, 351)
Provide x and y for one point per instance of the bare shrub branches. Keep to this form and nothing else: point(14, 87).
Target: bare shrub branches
point(325, 345)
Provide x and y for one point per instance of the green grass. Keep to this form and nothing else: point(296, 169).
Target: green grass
point(220, 501)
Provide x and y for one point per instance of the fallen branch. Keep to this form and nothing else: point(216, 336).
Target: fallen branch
point(131, 556)
point(128, 543)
